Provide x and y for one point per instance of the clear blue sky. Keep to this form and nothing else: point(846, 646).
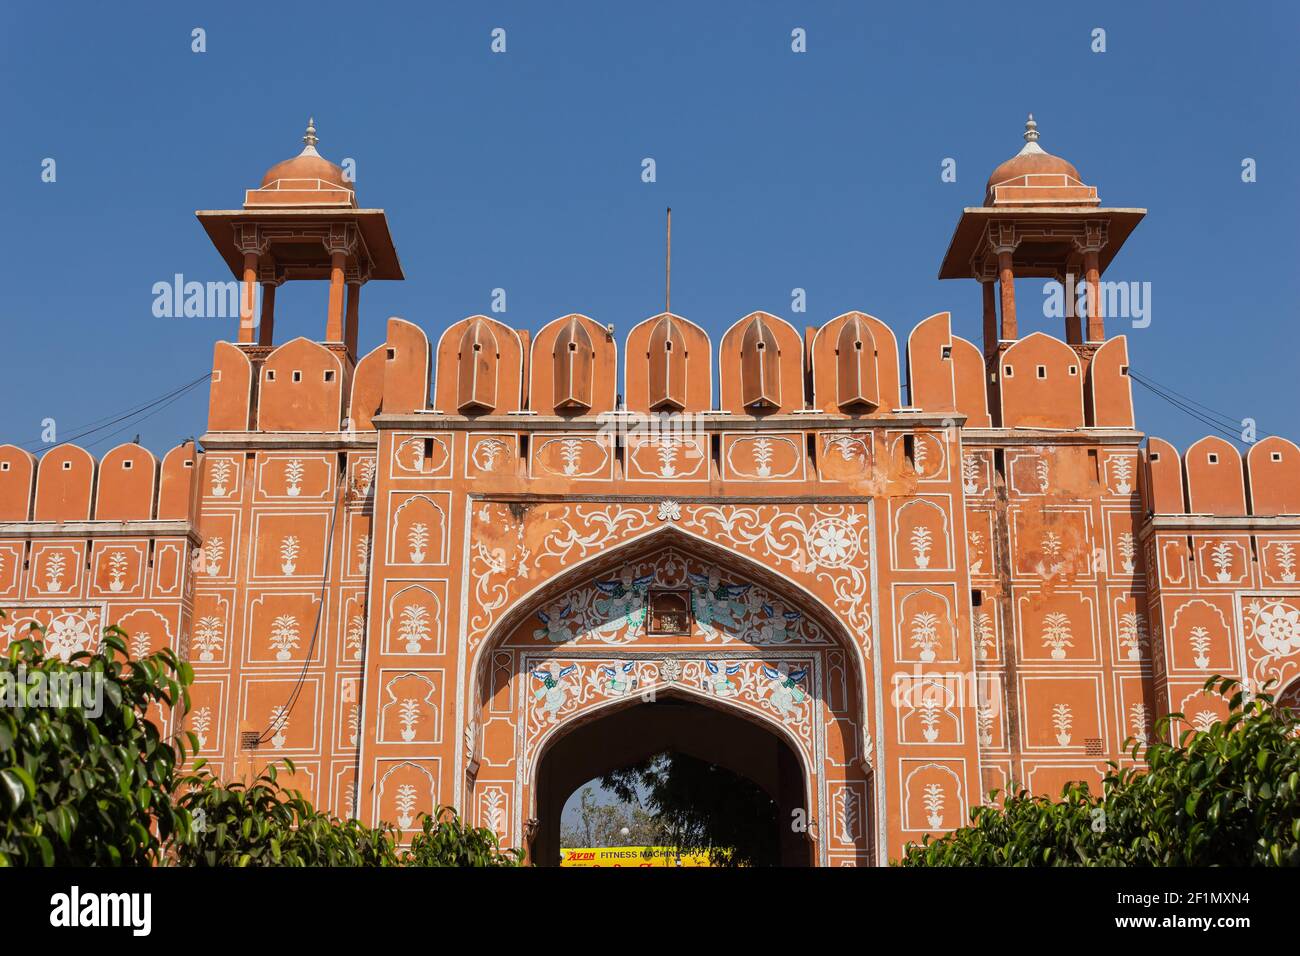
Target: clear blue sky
point(818, 170)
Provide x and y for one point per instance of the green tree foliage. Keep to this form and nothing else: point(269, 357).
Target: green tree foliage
point(602, 824)
point(444, 840)
point(262, 824)
point(83, 790)
point(1227, 796)
point(703, 808)
point(81, 787)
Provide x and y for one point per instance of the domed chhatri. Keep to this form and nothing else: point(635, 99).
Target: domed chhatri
point(307, 165)
point(1035, 161)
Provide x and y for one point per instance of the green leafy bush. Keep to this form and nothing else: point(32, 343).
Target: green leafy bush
point(262, 824)
point(1228, 796)
point(78, 789)
point(444, 840)
point(89, 780)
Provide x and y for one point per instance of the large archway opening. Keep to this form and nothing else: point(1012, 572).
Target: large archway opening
point(768, 817)
point(673, 617)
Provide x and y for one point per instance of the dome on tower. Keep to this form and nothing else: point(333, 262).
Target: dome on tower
point(1033, 167)
point(308, 164)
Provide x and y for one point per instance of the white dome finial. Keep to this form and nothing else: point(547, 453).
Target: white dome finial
point(1031, 137)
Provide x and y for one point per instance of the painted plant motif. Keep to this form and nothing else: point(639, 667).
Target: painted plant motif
point(1199, 638)
point(279, 726)
point(1133, 634)
point(932, 799)
point(970, 474)
point(69, 633)
point(985, 638)
point(284, 636)
point(220, 477)
point(1062, 720)
point(925, 634)
point(409, 717)
point(415, 627)
point(355, 633)
point(117, 565)
point(1127, 551)
point(405, 802)
point(1140, 722)
point(1121, 470)
point(214, 551)
point(207, 636)
point(55, 566)
point(1056, 634)
point(200, 724)
point(763, 457)
point(921, 543)
point(290, 548)
point(1221, 558)
point(140, 642)
point(293, 472)
point(417, 539)
point(363, 554)
point(1286, 561)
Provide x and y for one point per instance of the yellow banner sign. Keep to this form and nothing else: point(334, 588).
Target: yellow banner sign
point(629, 856)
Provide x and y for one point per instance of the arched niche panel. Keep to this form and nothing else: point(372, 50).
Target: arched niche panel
point(301, 389)
point(1273, 469)
point(1164, 478)
point(176, 483)
point(1110, 391)
point(761, 366)
point(1215, 481)
point(1040, 382)
point(489, 380)
point(668, 366)
point(125, 485)
point(826, 372)
point(930, 366)
point(65, 481)
point(970, 383)
point(17, 475)
point(564, 381)
point(230, 390)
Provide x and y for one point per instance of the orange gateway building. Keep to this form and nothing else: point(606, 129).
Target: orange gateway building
point(878, 577)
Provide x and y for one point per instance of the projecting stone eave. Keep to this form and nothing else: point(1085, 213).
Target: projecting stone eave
point(956, 264)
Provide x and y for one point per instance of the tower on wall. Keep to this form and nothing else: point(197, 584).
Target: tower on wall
point(303, 222)
point(1039, 220)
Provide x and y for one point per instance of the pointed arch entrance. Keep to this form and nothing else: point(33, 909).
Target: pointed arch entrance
point(669, 615)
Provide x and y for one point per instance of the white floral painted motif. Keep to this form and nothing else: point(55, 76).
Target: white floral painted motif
point(1221, 558)
point(207, 636)
point(284, 636)
point(921, 544)
point(55, 566)
point(409, 717)
point(214, 550)
point(117, 563)
point(1062, 720)
point(69, 633)
point(1199, 638)
point(669, 510)
point(1133, 634)
point(289, 551)
point(417, 539)
point(405, 802)
point(415, 627)
point(220, 477)
point(293, 472)
point(970, 474)
point(932, 799)
point(200, 724)
point(1056, 634)
point(279, 724)
point(1276, 625)
point(925, 634)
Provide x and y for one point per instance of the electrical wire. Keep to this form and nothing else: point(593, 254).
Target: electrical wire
point(1217, 421)
point(90, 428)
